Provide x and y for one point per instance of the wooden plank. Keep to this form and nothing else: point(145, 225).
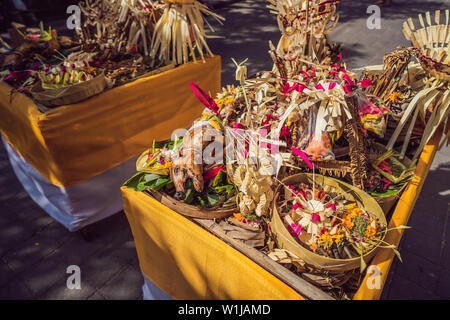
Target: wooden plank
point(306, 289)
point(385, 257)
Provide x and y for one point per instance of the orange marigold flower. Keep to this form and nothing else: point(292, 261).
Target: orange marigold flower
point(348, 223)
point(395, 96)
point(313, 247)
point(370, 231)
point(338, 237)
point(326, 239)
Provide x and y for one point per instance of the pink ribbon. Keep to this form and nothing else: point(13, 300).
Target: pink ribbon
point(349, 83)
point(366, 83)
point(319, 87)
point(295, 230)
point(331, 86)
point(302, 155)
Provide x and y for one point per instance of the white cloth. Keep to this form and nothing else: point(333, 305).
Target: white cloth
point(152, 292)
point(80, 205)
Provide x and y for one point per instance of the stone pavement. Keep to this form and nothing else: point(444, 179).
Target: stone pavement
point(35, 250)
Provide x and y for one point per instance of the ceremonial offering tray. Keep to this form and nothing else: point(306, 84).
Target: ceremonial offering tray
point(70, 94)
point(325, 219)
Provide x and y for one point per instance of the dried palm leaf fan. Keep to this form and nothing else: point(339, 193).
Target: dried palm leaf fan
point(179, 34)
point(432, 103)
point(304, 25)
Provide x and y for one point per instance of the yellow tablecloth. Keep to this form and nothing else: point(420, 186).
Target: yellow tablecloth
point(73, 143)
point(187, 262)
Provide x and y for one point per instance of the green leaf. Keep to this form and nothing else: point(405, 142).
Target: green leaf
point(142, 181)
point(190, 192)
point(161, 182)
point(202, 201)
point(161, 144)
point(169, 144)
point(228, 189)
point(141, 187)
point(218, 178)
point(384, 194)
point(151, 176)
point(134, 181)
point(213, 199)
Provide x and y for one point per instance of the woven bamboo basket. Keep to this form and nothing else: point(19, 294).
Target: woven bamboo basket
point(328, 281)
point(190, 210)
point(286, 241)
point(69, 95)
point(388, 202)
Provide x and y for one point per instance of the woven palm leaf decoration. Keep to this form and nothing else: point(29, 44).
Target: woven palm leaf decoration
point(432, 43)
point(304, 55)
point(304, 25)
point(180, 34)
point(432, 103)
